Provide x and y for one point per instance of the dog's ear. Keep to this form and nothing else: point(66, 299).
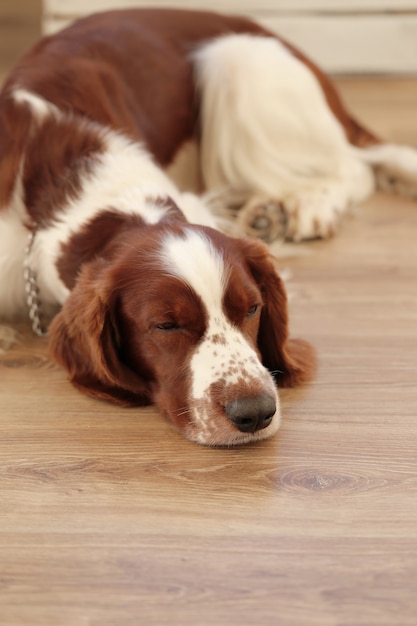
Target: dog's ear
point(84, 339)
point(291, 361)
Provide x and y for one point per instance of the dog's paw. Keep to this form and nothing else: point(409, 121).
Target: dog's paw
point(314, 214)
point(264, 218)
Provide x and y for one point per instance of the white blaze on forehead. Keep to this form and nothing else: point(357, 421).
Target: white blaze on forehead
point(195, 260)
point(223, 355)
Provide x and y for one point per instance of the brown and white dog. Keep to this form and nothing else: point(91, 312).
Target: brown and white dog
point(157, 305)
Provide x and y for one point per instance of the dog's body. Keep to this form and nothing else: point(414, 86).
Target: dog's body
point(157, 305)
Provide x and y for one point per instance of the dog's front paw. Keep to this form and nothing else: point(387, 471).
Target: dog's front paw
point(314, 214)
point(263, 218)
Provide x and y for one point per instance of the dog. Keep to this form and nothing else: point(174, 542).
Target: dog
point(157, 305)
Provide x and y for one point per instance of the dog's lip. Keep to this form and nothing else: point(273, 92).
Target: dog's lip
point(236, 438)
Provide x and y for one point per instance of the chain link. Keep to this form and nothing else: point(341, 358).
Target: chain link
point(32, 291)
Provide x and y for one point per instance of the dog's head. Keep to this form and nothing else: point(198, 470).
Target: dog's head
point(191, 320)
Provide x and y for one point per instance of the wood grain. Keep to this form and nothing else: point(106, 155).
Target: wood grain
point(109, 517)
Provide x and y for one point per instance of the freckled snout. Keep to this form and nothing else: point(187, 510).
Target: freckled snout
point(250, 414)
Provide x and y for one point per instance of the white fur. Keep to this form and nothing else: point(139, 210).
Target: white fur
point(125, 178)
point(13, 241)
point(197, 262)
point(223, 353)
point(396, 167)
point(267, 132)
point(267, 129)
point(211, 363)
point(40, 107)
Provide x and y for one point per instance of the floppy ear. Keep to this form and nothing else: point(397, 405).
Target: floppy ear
point(291, 361)
point(84, 339)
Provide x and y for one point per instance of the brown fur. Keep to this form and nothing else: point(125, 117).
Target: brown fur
point(104, 78)
point(113, 332)
point(104, 335)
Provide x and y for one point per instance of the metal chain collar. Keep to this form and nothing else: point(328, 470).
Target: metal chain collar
point(32, 291)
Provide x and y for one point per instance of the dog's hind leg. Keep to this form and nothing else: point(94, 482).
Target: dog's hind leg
point(269, 136)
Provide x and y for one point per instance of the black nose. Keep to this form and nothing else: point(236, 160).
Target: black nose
point(250, 414)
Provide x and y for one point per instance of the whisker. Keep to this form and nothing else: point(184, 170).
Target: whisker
point(183, 411)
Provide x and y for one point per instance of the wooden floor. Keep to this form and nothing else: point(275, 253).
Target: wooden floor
point(109, 518)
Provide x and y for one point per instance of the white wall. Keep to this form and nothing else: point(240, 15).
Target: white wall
point(343, 36)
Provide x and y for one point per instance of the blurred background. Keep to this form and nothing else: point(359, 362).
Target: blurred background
point(369, 46)
point(20, 25)
point(370, 37)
